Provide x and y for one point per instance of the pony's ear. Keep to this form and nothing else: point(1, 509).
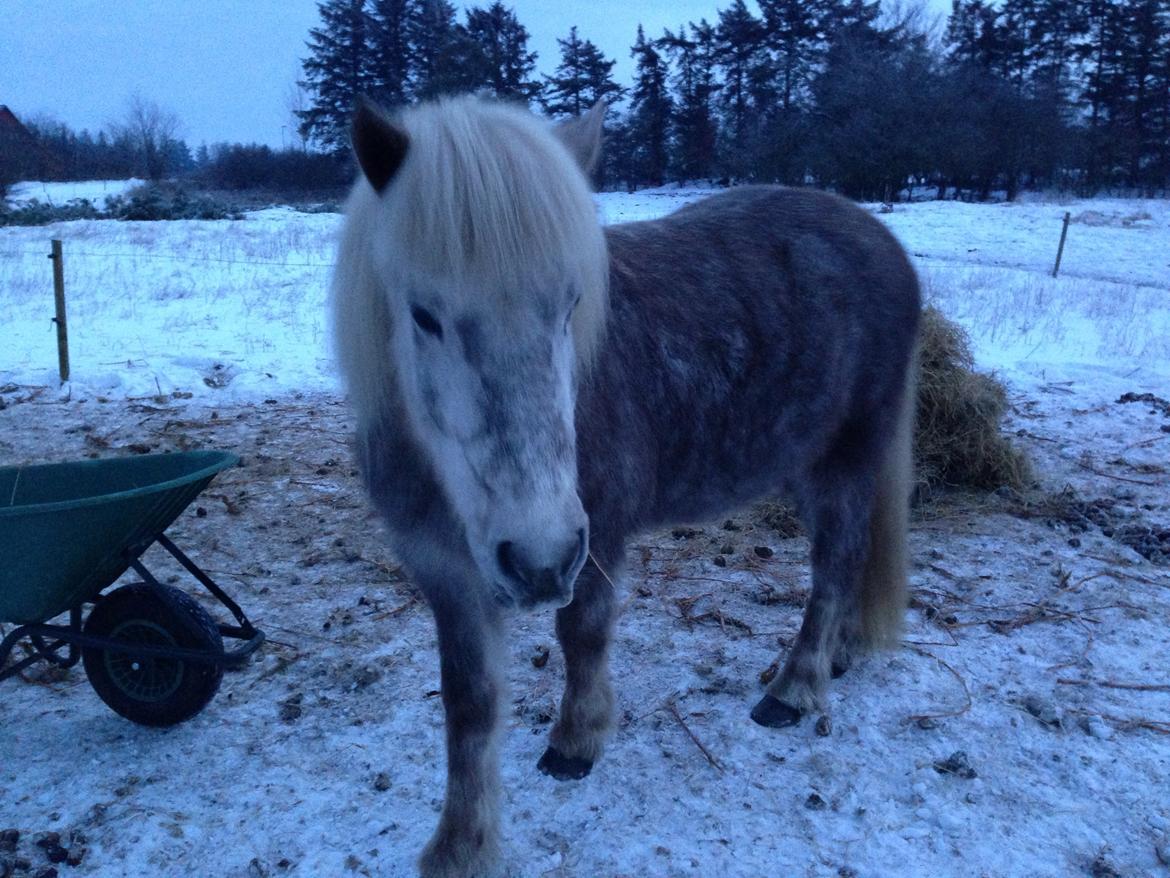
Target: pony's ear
point(379, 145)
point(582, 136)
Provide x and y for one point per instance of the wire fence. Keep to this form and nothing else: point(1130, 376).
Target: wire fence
point(168, 257)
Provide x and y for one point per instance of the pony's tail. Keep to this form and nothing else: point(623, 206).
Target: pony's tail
point(884, 588)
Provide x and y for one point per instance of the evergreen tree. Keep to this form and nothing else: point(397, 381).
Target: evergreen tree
point(583, 78)
point(973, 34)
point(741, 56)
point(391, 56)
point(793, 29)
point(504, 64)
point(437, 46)
point(693, 56)
point(337, 71)
point(1139, 116)
point(1057, 28)
point(650, 113)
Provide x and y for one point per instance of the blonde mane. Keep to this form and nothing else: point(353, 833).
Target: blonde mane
point(488, 202)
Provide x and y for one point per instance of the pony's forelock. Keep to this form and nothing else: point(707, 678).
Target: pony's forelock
point(487, 203)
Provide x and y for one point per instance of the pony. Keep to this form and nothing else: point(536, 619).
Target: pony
point(530, 389)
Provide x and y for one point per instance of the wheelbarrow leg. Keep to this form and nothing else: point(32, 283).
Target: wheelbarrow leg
point(43, 650)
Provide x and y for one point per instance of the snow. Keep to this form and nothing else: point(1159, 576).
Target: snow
point(1027, 647)
point(62, 193)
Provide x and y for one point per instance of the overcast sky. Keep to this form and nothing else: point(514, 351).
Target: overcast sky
point(226, 67)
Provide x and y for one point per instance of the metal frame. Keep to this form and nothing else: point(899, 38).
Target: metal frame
point(48, 640)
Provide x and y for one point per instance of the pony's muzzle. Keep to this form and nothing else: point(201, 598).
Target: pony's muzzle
point(539, 578)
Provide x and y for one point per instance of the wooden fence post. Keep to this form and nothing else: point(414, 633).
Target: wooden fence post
point(1060, 249)
point(59, 296)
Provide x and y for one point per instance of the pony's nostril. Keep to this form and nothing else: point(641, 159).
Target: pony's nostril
point(505, 557)
point(575, 557)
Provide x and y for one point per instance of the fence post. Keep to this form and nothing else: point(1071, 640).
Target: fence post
point(1060, 249)
point(59, 296)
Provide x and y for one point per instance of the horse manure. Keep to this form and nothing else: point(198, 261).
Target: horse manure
point(815, 803)
point(763, 552)
point(56, 854)
point(719, 561)
point(956, 764)
point(1102, 868)
point(927, 723)
point(381, 782)
point(290, 708)
point(540, 657)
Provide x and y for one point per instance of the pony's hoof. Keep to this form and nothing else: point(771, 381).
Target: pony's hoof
point(774, 713)
point(562, 767)
point(839, 668)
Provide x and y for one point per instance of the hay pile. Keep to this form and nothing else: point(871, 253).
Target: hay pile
point(957, 441)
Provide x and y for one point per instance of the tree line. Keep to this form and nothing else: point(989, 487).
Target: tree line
point(1069, 94)
point(145, 143)
point(1022, 93)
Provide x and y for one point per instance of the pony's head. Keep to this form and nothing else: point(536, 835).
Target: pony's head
point(471, 293)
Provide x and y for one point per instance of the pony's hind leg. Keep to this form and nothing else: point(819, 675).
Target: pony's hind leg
point(466, 842)
point(857, 508)
point(838, 511)
point(583, 629)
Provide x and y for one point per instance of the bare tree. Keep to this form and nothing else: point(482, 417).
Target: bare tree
point(152, 132)
point(296, 101)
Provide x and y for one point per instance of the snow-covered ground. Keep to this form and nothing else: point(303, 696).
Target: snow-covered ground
point(96, 191)
point(1035, 645)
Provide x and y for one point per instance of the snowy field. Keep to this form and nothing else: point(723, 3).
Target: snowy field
point(1035, 646)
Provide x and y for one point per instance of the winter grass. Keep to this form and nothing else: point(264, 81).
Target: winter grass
point(153, 306)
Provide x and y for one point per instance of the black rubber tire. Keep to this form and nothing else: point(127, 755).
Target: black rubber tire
point(152, 691)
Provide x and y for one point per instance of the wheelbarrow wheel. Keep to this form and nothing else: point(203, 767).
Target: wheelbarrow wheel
point(152, 690)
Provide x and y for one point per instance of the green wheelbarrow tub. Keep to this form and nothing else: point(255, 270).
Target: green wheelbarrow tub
point(69, 530)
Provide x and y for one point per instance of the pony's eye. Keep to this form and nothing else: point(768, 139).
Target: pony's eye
point(426, 321)
point(572, 311)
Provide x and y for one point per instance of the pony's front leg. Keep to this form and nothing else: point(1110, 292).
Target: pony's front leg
point(583, 629)
point(466, 842)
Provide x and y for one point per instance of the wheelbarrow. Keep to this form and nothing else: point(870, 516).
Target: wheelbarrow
point(69, 531)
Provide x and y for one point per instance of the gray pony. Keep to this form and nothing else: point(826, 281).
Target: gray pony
point(532, 389)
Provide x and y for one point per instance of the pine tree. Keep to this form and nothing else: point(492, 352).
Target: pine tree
point(391, 58)
point(583, 78)
point(336, 72)
point(793, 29)
point(741, 56)
point(1139, 120)
point(505, 64)
point(432, 34)
point(694, 84)
point(1104, 90)
point(973, 34)
point(1057, 27)
point(650, 113)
